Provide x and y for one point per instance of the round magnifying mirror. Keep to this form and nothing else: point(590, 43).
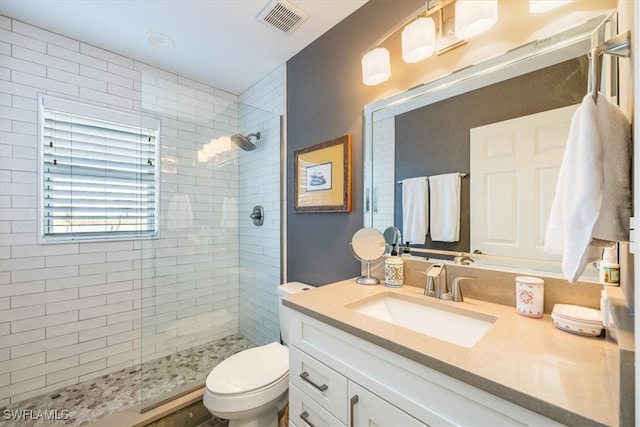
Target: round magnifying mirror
point(368, 245)
point(392, 236)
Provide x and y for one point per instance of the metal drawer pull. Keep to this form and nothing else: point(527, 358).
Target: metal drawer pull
point(352, 404)
point(305, 418)
point(305, 376)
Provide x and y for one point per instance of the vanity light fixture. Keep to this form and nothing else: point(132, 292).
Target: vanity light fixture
point(419, 40)
point(214, 147)
point(422, 36)
point(376, 66)
point(542, 6)
point(475, 17)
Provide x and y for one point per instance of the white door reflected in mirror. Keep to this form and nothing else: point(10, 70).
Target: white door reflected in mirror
point(515, 165)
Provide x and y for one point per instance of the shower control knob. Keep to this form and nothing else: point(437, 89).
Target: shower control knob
point(257, 215)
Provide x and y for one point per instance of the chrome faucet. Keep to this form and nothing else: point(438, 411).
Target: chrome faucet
point(436, 285)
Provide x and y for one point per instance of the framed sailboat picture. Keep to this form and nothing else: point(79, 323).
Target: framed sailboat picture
point(322, 177)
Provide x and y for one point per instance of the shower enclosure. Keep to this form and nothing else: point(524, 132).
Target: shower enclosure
point(208, 283)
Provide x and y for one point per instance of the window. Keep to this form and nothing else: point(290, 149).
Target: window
point(99, 172)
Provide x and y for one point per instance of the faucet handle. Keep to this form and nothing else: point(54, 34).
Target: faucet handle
point(431, 287)
point(456, 291)
point(463, 260)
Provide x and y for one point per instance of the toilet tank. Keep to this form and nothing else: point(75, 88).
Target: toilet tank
point(284, 290)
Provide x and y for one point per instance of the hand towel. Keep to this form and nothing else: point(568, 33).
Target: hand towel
point(415, 209)
point(229, 212)
point(179, 214)
point(593, 194)
point(445, 207)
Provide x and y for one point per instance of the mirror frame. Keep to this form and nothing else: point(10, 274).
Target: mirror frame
point(527, 58)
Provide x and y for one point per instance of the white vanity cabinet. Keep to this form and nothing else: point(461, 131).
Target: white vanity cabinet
point(330, 367)
point(320, 396)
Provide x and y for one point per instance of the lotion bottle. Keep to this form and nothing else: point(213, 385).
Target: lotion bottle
point(393, 270)
point(609, 268)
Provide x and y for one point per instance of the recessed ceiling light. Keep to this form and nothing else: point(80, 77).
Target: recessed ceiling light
point(159, 40)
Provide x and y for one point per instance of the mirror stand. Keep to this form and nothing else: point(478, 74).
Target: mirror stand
point(367, 280)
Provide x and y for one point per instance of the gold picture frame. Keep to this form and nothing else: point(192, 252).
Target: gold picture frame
point(322, 177)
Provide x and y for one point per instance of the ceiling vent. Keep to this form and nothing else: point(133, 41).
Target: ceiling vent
point(282, 16)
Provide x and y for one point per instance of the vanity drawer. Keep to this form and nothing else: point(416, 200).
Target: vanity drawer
point(324, 385)
point(305, 412)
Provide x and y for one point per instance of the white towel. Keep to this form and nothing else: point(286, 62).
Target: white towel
point(179, 214)
point(415, 209)
point(445, 207)
point(229, 212)
point(593, 195)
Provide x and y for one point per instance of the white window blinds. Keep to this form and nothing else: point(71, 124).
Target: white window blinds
point(98, 177)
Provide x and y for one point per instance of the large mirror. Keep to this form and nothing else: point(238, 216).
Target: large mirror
point(434, 129)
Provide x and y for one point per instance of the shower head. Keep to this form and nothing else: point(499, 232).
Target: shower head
point(244, 142)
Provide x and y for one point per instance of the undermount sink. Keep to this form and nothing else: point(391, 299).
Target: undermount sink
point(452, 324)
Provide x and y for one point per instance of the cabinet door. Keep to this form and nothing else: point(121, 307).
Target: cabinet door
point(367, 409)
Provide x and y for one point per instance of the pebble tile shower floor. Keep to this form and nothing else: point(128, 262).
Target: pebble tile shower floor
point(112, 393)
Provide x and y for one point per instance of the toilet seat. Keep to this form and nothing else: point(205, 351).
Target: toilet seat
point(249, 370)
point(248, 379)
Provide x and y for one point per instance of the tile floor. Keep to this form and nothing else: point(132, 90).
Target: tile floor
point(90, 400)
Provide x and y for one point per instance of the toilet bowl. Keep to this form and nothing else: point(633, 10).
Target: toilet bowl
point(250, 387)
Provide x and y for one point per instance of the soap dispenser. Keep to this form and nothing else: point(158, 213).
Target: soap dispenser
point(394, 269)
point(406, 251)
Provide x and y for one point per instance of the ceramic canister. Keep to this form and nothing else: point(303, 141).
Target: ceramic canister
point(530, 296)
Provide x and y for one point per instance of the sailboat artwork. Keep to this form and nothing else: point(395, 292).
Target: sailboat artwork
point(319, 177)
point(322, 176)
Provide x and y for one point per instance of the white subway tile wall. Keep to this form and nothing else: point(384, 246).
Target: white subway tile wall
point(74, 311)
point(383, 164)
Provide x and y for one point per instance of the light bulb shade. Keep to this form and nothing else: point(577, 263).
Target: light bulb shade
point(202, 156)
point(474, 17)
point(210, 149)
point(224, 142)
point(376, 66)
point(418, 40)
point(541, 6)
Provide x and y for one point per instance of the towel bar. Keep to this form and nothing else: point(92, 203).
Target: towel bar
point(618, 46)
point(462, 175)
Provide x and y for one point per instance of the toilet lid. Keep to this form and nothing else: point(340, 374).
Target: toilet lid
point(249, 369)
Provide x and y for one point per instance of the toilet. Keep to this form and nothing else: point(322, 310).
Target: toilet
point(250, 387)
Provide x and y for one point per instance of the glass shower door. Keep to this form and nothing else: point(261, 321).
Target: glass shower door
point(209, 255)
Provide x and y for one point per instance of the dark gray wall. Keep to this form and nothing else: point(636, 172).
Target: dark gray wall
point(325, 100)
point(434, 139)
